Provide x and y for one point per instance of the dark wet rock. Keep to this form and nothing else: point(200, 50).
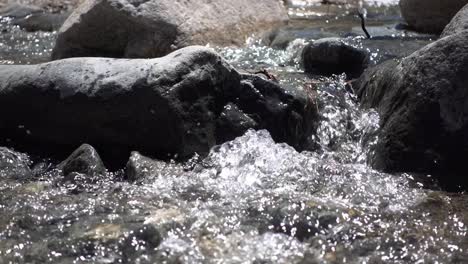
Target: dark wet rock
point(281, 38)
point(14, 165)
point(154, 28)
point(140, 167)
point(33, 18)
point(333, 56)
point(286, 112)
point(458, 23)
point(423, 108)
point(52, 6)
point(165, 108)
point(233, 122)
point(430, 16)
point(84, 160)
point(19, 11)
point(41, 21)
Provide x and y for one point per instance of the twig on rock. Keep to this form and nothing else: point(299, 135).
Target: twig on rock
point(267, 74)
point(363, 24)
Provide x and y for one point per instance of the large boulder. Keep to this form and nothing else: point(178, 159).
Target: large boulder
point(153, 28)
point(459, 23)
point(430, 16)
point(424, 110)
point(175, 105)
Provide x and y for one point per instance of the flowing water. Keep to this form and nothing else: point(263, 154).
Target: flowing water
point(250, 200)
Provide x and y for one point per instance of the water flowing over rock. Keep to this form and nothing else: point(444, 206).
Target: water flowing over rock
point(423, 107)
point(140, 168)
point(14, 165)
point(165, 107)
point(458, 23)
point(430, 16)
point(333, 56)
point(153, 28)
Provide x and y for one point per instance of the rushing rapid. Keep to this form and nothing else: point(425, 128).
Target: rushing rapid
point(251, 200)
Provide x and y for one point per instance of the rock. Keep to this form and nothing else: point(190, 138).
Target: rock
point(19, 11)
point(41, 21)
point(458, 23)
point(85, 160)
point(140, 167)
point(333, 56)
point(167, 107)
point(281, 38)
point(154, 28)
point(233, 123)
point(33, 18)
point(424, 111)
point(430, 16)
point(14, 165)
point(51, 6)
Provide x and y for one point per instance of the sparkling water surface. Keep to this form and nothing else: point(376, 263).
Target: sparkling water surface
point(251, 200)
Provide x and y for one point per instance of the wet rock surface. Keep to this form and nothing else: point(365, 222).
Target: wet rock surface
point(143, 169)
point(14, 165)
point(333, 56)
point(164, 107)
point(458, 23)
point(51, 6)
point(33, 18)
point(148, 29)
point(84, 160)
point(19, 11)
point(41, 22)
point(423, 110)
point(430, 16)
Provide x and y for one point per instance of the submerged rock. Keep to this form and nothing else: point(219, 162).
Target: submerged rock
point(19, 11)
point(233, 122)
point(430, 16)
point(140, 167)
point(165, 107)
point(424, 111)
point(154, 28)
point(85, 160)
point(14, 165)
point(458, 23)
point(41, 21)
point(33, 18)
point(333, 56)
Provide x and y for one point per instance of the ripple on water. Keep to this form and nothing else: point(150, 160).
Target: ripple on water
point(251, 200)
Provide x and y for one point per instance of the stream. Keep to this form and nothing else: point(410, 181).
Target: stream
point(251, 200)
